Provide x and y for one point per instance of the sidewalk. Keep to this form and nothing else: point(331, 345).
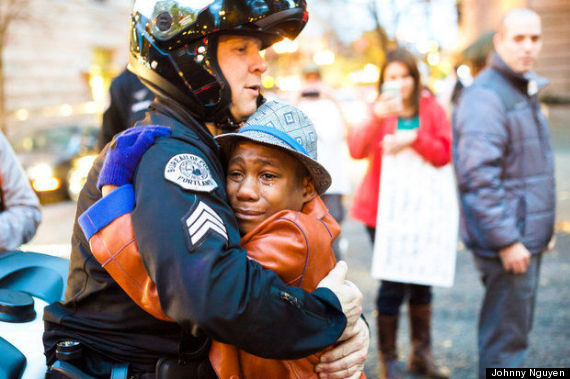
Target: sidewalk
point(456, 310)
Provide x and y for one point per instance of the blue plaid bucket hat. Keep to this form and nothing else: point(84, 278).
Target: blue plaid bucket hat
point(285, 127)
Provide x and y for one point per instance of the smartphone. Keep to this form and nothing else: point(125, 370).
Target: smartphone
point(394, 88)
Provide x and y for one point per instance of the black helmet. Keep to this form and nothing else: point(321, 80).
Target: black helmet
point(173, 46)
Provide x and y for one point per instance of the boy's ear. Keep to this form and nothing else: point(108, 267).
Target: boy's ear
point(309, 192)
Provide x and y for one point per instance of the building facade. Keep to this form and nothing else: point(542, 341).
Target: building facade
point(480, 16)
point(59, 60)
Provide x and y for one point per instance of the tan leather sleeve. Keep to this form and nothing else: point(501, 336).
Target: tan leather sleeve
point(281, 248)
point(115, 248)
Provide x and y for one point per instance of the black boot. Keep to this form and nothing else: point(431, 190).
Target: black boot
point(387, 354)
point(421, 362)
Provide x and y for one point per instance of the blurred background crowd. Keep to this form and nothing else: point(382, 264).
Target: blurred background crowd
point(59, 57)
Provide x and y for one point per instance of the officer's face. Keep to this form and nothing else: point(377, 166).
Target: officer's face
point(242, 65)
point(262, 181)
point(519, 41)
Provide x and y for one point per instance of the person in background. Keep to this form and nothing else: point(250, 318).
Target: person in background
point(129, 100)
point(410, 118)
point(504, 166)
point(458, 87)
point(317, 102)
point(20, 213)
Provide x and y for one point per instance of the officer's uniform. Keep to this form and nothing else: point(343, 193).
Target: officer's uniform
point(190, 245)
point(129, 102)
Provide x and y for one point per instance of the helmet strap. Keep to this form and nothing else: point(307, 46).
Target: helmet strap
point(230, 124)
point(223, 119)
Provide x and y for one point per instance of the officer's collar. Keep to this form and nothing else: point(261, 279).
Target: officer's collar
point(529, 83)
point(171, 108)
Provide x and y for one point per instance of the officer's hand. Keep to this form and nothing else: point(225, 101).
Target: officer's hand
point(515, 258)
point(346, 360)
point(125, 152)
point(348, 294)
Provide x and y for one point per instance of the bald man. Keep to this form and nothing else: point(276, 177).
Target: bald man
point(505, 173)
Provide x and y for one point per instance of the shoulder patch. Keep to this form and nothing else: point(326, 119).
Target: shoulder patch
point(201, 220)
point(190, 172)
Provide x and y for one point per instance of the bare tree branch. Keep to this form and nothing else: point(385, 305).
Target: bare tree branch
point(382, 35)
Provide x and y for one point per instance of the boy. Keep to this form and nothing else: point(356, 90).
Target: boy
point(273, 183)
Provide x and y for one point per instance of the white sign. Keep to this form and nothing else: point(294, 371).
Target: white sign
point(417, 221)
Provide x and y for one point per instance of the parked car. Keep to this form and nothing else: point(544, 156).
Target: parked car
point(57, 159)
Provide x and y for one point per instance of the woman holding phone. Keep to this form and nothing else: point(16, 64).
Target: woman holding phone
point(405, 115)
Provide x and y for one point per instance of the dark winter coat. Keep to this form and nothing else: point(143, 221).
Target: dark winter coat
point(503, 162)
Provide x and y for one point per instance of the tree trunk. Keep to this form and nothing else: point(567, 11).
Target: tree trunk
point(380, 31)
point(384, 40)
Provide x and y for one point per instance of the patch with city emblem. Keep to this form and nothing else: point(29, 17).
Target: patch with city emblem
point(190, 172)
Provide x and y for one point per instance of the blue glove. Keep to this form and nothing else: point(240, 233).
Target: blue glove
point(125, 152)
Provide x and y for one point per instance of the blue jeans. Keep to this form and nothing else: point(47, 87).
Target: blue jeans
point(391, 294)
point(506, 314)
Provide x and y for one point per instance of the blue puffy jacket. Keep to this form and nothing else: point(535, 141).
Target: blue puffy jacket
point(503, 162)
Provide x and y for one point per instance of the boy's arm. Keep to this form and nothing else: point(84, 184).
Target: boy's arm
point(125, 153)
point(107, 226)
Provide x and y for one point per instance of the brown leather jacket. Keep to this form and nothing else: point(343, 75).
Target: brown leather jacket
point(295, 245)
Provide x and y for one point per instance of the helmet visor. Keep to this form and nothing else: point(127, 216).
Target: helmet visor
point(167, 18)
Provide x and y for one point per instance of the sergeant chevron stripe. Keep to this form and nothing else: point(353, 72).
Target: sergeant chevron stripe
point(202, 220)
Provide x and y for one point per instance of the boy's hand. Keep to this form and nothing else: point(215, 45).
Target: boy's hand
point(125, 152)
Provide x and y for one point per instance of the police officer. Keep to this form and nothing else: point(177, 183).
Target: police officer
point(203, 63)
point(129, 101)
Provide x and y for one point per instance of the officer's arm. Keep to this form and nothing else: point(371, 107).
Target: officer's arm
point(189, 242)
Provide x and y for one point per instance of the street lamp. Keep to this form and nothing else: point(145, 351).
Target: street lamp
point(324, 57)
